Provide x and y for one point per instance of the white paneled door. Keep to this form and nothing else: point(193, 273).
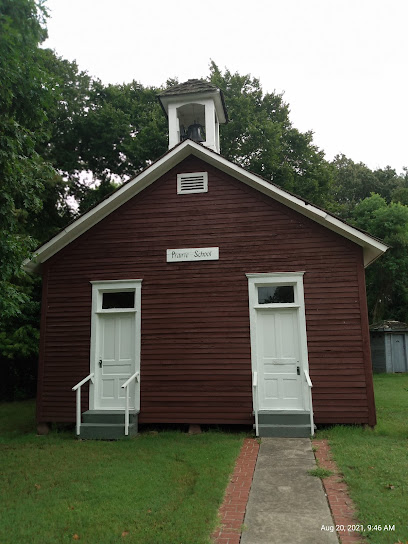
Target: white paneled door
point(116, 361)
point(279, 368)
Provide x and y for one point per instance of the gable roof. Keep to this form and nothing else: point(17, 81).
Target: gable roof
point(372, 247)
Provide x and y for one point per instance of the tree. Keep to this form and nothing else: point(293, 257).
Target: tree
point(353, 182)
point(261, 138)
point(24, 100)
point(100, 134)
point(400, 193)
point(388, 181)
point(387, 286)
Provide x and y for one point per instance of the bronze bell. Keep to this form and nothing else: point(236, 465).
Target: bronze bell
point(196, 132)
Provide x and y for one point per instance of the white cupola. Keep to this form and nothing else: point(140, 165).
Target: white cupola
point(195, 110)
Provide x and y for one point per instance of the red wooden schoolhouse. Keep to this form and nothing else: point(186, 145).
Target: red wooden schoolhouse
point(199, 292)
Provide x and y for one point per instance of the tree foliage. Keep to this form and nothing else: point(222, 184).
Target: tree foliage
point(261, 138)
point(100, 134)
point(353, 182)
point(24, 99)
point(387, 278)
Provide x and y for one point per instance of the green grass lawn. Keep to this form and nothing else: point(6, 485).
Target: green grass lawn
point(374, 462)
point(162, 488)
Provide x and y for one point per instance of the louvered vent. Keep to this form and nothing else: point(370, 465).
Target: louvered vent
point(195, 182)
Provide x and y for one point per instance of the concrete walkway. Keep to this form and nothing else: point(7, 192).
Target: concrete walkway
point(286, 505)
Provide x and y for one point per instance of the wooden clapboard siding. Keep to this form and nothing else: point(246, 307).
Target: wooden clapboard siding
point(195, 349)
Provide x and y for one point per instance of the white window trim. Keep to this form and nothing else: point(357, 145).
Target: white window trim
point(271, 279)
point(98, 288)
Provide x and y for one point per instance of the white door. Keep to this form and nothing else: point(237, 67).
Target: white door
point(116, 360)
point(278, 358)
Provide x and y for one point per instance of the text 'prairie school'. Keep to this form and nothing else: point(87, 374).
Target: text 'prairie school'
point(193, 254)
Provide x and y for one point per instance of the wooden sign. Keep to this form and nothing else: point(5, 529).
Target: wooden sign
point(193, 254)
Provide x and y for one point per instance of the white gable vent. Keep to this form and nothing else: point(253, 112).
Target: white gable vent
point(195, 182)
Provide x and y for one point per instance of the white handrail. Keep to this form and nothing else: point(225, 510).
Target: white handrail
point(308, 380)
point(136, 377)
point(255, 388)
point(77, 388)
point(310, 385)
point(83, 381)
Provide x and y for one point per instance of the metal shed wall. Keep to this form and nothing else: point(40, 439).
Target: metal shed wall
point(378, 351)
point(389, 351)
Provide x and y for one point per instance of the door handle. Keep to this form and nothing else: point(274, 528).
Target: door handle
point(100, 363)
point(298, 370)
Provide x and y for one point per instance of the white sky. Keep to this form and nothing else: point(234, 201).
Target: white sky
point(342, 64)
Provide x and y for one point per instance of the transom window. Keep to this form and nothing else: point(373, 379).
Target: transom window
point(276, 294)
point(118, 299)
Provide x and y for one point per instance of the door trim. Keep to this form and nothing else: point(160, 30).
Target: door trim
point(112, 286)
point(275, 279)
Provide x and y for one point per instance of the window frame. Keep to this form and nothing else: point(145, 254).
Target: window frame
point(278, 279)
point(114, 286)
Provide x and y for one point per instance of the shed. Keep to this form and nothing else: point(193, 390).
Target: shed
point(201, 293)
point(389, 346)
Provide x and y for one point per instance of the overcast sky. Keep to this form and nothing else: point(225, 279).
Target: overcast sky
point(342, 64)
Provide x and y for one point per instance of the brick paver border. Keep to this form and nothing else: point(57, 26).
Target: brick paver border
point(232, 510)
point(341, 505)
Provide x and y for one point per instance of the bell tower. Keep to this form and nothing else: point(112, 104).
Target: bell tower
point(195, 109)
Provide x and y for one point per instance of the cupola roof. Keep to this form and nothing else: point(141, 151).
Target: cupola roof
point(193, 86)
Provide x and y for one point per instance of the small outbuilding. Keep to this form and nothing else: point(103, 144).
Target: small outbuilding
point(389, 346)
point(201, 293)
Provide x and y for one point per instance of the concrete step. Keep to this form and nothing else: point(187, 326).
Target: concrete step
point(278, 417)
point(284, 423)
point(106, 431)
point(107, 424)
point(284, 431)
point(108, 416)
